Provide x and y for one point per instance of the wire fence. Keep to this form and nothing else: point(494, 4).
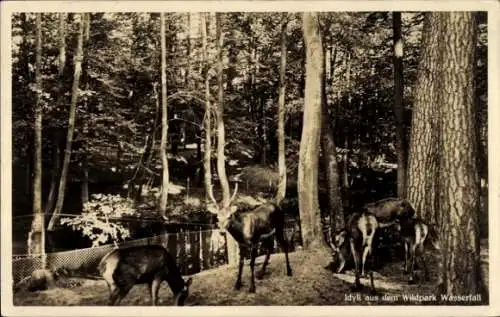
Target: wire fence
point(194, 251)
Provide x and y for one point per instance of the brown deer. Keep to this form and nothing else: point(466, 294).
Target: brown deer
point(358, 235)
point(251, 227)
point(415, 233)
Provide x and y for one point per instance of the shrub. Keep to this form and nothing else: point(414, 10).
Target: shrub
point(95, 220)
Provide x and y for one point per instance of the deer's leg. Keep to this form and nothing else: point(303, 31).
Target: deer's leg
point(405, 265)
point(411, 279)
point(114, 292)
point(421, 253)
point(355, 254)
point(237, 285)
point(155, 286)
point(252, 268)
point(270, 246)
point(367, 246)
point(123, 292)
point(284, 245)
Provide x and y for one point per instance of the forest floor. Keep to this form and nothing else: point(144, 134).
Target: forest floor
point(311, 284)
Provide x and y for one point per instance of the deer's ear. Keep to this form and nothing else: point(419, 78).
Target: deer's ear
point(212, 208)
point(233, 209)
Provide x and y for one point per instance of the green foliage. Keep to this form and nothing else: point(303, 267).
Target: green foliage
point(96, 222)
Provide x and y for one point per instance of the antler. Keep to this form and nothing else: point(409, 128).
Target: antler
point(211, 195)
point(234, 194)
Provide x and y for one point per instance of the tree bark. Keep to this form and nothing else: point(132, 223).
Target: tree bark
point(459, 191)
point(164, 120)
point(424, 151)
point(330, 165)
point(84, 150)
point(232, 247)
point(310, 217)
point(51, 200)
point(399, 111)
point(71, 126)
point(207, 121)
point(281, 113)
point(36, 236)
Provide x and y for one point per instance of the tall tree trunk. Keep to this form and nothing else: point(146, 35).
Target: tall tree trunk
point(84, 150)
point(207, 122)
point(60, 97)
point(188, 62)
point(281, 113)
point(347, 135)
point(56, 169)
point(36, 237)
point(232, 247)
point(399, 110)
point(71, 126)
point(330, 165)
point(423, 178)
point(460, 261)
point(164, 120)
point(310, 217)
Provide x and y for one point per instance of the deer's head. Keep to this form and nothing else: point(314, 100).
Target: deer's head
point(222, 210)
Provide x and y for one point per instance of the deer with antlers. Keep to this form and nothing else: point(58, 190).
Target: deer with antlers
point(249, 228)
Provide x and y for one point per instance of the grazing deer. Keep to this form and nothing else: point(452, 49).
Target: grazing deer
point(359, 233)
point(152, 264)
point(249, 228)
point(415, 232)
point(389, 211)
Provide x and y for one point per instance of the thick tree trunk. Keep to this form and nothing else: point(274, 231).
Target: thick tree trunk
point(399, 110)
point(281, 113)
point(329, 159)
point(459, 190)
point(232, 247)
point(310, 217)
point(424, 151)
point(71, 126)
point(36, 237)
point(207, 122)
point(164, 120)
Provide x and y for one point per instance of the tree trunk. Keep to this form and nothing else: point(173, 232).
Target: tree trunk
point(459, 190)
point(423, 178)
point(347, 136)
point(310, 217)
point(188, 54)
point(59, 102)
point(399, 110)
point(71, 126)
point(164, 120)
point(207, 122)
point(56, 159)
point(232, 247)
point(330, 165)
point(84, 150)
point(281, 113)
point(36, 237)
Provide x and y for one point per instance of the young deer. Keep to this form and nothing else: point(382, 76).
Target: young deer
point(359, 233)
point(152, 264)
point(249, 228)
point(415, 233)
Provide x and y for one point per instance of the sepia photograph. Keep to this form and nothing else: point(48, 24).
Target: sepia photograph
point(276, 154)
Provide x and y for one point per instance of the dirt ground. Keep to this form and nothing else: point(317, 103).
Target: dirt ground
point(311, 284)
